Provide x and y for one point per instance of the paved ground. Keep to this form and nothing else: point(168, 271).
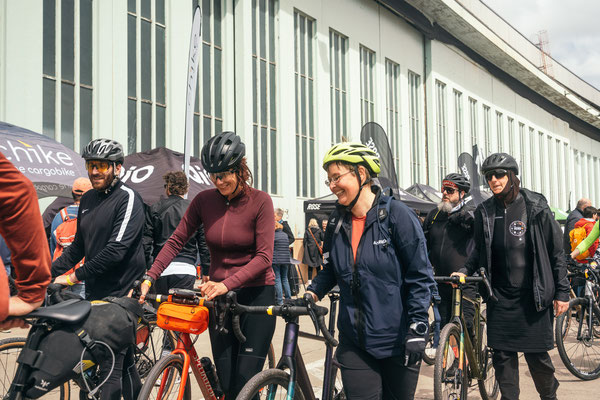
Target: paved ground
point(313, 352)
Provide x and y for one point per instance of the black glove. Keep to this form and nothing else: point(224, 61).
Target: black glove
point(414, 346)
point(464, 218)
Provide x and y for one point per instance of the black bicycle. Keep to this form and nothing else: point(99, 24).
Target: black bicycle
point(577, 331)
point(278, 383)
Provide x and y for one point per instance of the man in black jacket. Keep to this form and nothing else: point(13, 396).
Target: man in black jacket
point(519, 244)
point(449, 233)
point(110, 222)
point(572, 219)
point(161, 221)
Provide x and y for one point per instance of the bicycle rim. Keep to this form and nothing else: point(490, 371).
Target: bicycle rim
point(164, 380)
point(150, 344)
point(449, 380)
point(269, 384)
point(9, 352)
point(578, 349)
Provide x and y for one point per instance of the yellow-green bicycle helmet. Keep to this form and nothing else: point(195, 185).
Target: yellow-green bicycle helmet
point(353, 153)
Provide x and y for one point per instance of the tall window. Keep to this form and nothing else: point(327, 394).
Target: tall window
point(414, 108)
point(338, 85)
point(367, 96)
point(146, 85)
point(578, 174)
point(208, 109)
point(533, 149)
point(458, 122)
point(473, 121)
point(543, 164)
point(263, 94)
point(500, 131)
point(440, 106)
point(511, 136)
point(487, 130)
point(67, 71)
point(392, 77)
point(566, 166)
point(522, 152)
point(304, 37)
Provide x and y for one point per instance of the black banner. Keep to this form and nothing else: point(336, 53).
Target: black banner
point(374, 137)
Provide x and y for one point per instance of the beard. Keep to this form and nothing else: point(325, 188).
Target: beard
point(445, 206)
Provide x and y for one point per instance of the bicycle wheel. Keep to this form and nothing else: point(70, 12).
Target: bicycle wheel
point(449, 381)
point(337, 388)
point(488, 387)
point(9, 351)
point(271, 384)
point(271, 360)
point(168, 368)
point(429, 353)
point(151, 340)
point(578, 349)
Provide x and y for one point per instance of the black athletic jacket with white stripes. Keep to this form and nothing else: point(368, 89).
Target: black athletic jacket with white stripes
point(109, 235)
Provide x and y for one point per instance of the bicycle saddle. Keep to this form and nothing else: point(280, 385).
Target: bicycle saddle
point(70, 311)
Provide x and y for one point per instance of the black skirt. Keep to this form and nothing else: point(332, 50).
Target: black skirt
point(514, 324)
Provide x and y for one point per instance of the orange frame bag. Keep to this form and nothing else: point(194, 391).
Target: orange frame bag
point(182, 318)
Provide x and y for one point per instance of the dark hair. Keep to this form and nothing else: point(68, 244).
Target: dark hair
point(243, 174)
point(589, 212)
point(76, 197)
point(176, 182)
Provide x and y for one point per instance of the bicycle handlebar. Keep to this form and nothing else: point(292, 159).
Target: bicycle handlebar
point(461, 280)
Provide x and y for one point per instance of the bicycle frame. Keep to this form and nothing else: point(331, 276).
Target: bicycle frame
point(291, 357)
point(465, 345)
point(185, 349)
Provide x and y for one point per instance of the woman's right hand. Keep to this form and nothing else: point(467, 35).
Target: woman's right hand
point(144, 288)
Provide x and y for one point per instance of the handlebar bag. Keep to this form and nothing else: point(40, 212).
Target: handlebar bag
point(111, 322)
point(182, 318)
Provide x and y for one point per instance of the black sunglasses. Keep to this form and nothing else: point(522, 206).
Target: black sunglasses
point(448, 190)
point(498, 173)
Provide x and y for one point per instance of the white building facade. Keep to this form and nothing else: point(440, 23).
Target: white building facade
point(291, 77)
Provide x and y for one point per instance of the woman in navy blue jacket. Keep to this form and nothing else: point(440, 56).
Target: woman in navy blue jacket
point(375, 250)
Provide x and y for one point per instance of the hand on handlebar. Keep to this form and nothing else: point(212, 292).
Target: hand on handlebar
point(212, 289)
point(144, 288)
point(457, 274)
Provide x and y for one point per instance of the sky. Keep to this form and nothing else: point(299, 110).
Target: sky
point(573, 30)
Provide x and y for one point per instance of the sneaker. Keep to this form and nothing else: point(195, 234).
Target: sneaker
point(430, 352)
point(450, 372)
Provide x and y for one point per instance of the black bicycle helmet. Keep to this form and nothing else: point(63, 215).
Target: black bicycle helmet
point(500, 161)
point(459, 180)
point(103, 149)
point(222, 152)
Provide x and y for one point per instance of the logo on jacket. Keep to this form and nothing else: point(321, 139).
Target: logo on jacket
point(380, 242)
point(517, 228)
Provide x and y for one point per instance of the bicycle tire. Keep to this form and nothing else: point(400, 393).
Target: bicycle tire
point(449, 383)
point(10, 349)
point(150, 340)
point(489, 387)
point(568, 343)
point(258, 386)
point(174, 364)
point(429, 345)
point(336, 385)
point(271, 360)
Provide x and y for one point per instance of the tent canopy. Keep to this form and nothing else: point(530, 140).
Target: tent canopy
point(425, 192)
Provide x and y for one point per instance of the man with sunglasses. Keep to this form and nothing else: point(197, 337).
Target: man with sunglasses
point(449, 233)
point(519, 244)
point(109, 235)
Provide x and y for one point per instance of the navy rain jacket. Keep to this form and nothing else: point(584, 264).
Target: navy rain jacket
point(395, 276)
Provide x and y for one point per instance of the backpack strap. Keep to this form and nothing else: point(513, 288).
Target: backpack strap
point(64, 214)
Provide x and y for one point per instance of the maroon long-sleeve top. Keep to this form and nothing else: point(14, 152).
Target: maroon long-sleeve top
point(22, 228)
point(239, 234)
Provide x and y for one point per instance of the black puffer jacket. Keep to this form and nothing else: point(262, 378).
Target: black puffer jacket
point(312, 256)
point(161, 220)
point(549, 269)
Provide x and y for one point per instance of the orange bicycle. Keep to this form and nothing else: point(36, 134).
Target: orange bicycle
point(185, 313)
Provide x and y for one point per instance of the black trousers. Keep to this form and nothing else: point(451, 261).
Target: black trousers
point(123, 381)
point(506, 366)
point(236, 362)
point(445, 307)
point(367, 378)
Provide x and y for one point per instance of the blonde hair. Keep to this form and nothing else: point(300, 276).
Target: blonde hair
point(313, 223)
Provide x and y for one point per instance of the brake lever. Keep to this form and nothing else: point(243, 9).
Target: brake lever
point(311, 311)
point(488, 286)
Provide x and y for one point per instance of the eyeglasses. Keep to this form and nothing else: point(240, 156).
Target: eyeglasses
point(335, 180)
point(221, 175)
point(101, 166)
point(498, 173)
point(448, 190)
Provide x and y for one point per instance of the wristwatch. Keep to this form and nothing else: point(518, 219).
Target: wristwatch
point(419, 328)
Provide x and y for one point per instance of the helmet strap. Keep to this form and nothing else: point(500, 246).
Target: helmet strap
point(350, 206)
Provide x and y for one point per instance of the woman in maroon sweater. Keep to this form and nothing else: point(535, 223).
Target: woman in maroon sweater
point(238, 223)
